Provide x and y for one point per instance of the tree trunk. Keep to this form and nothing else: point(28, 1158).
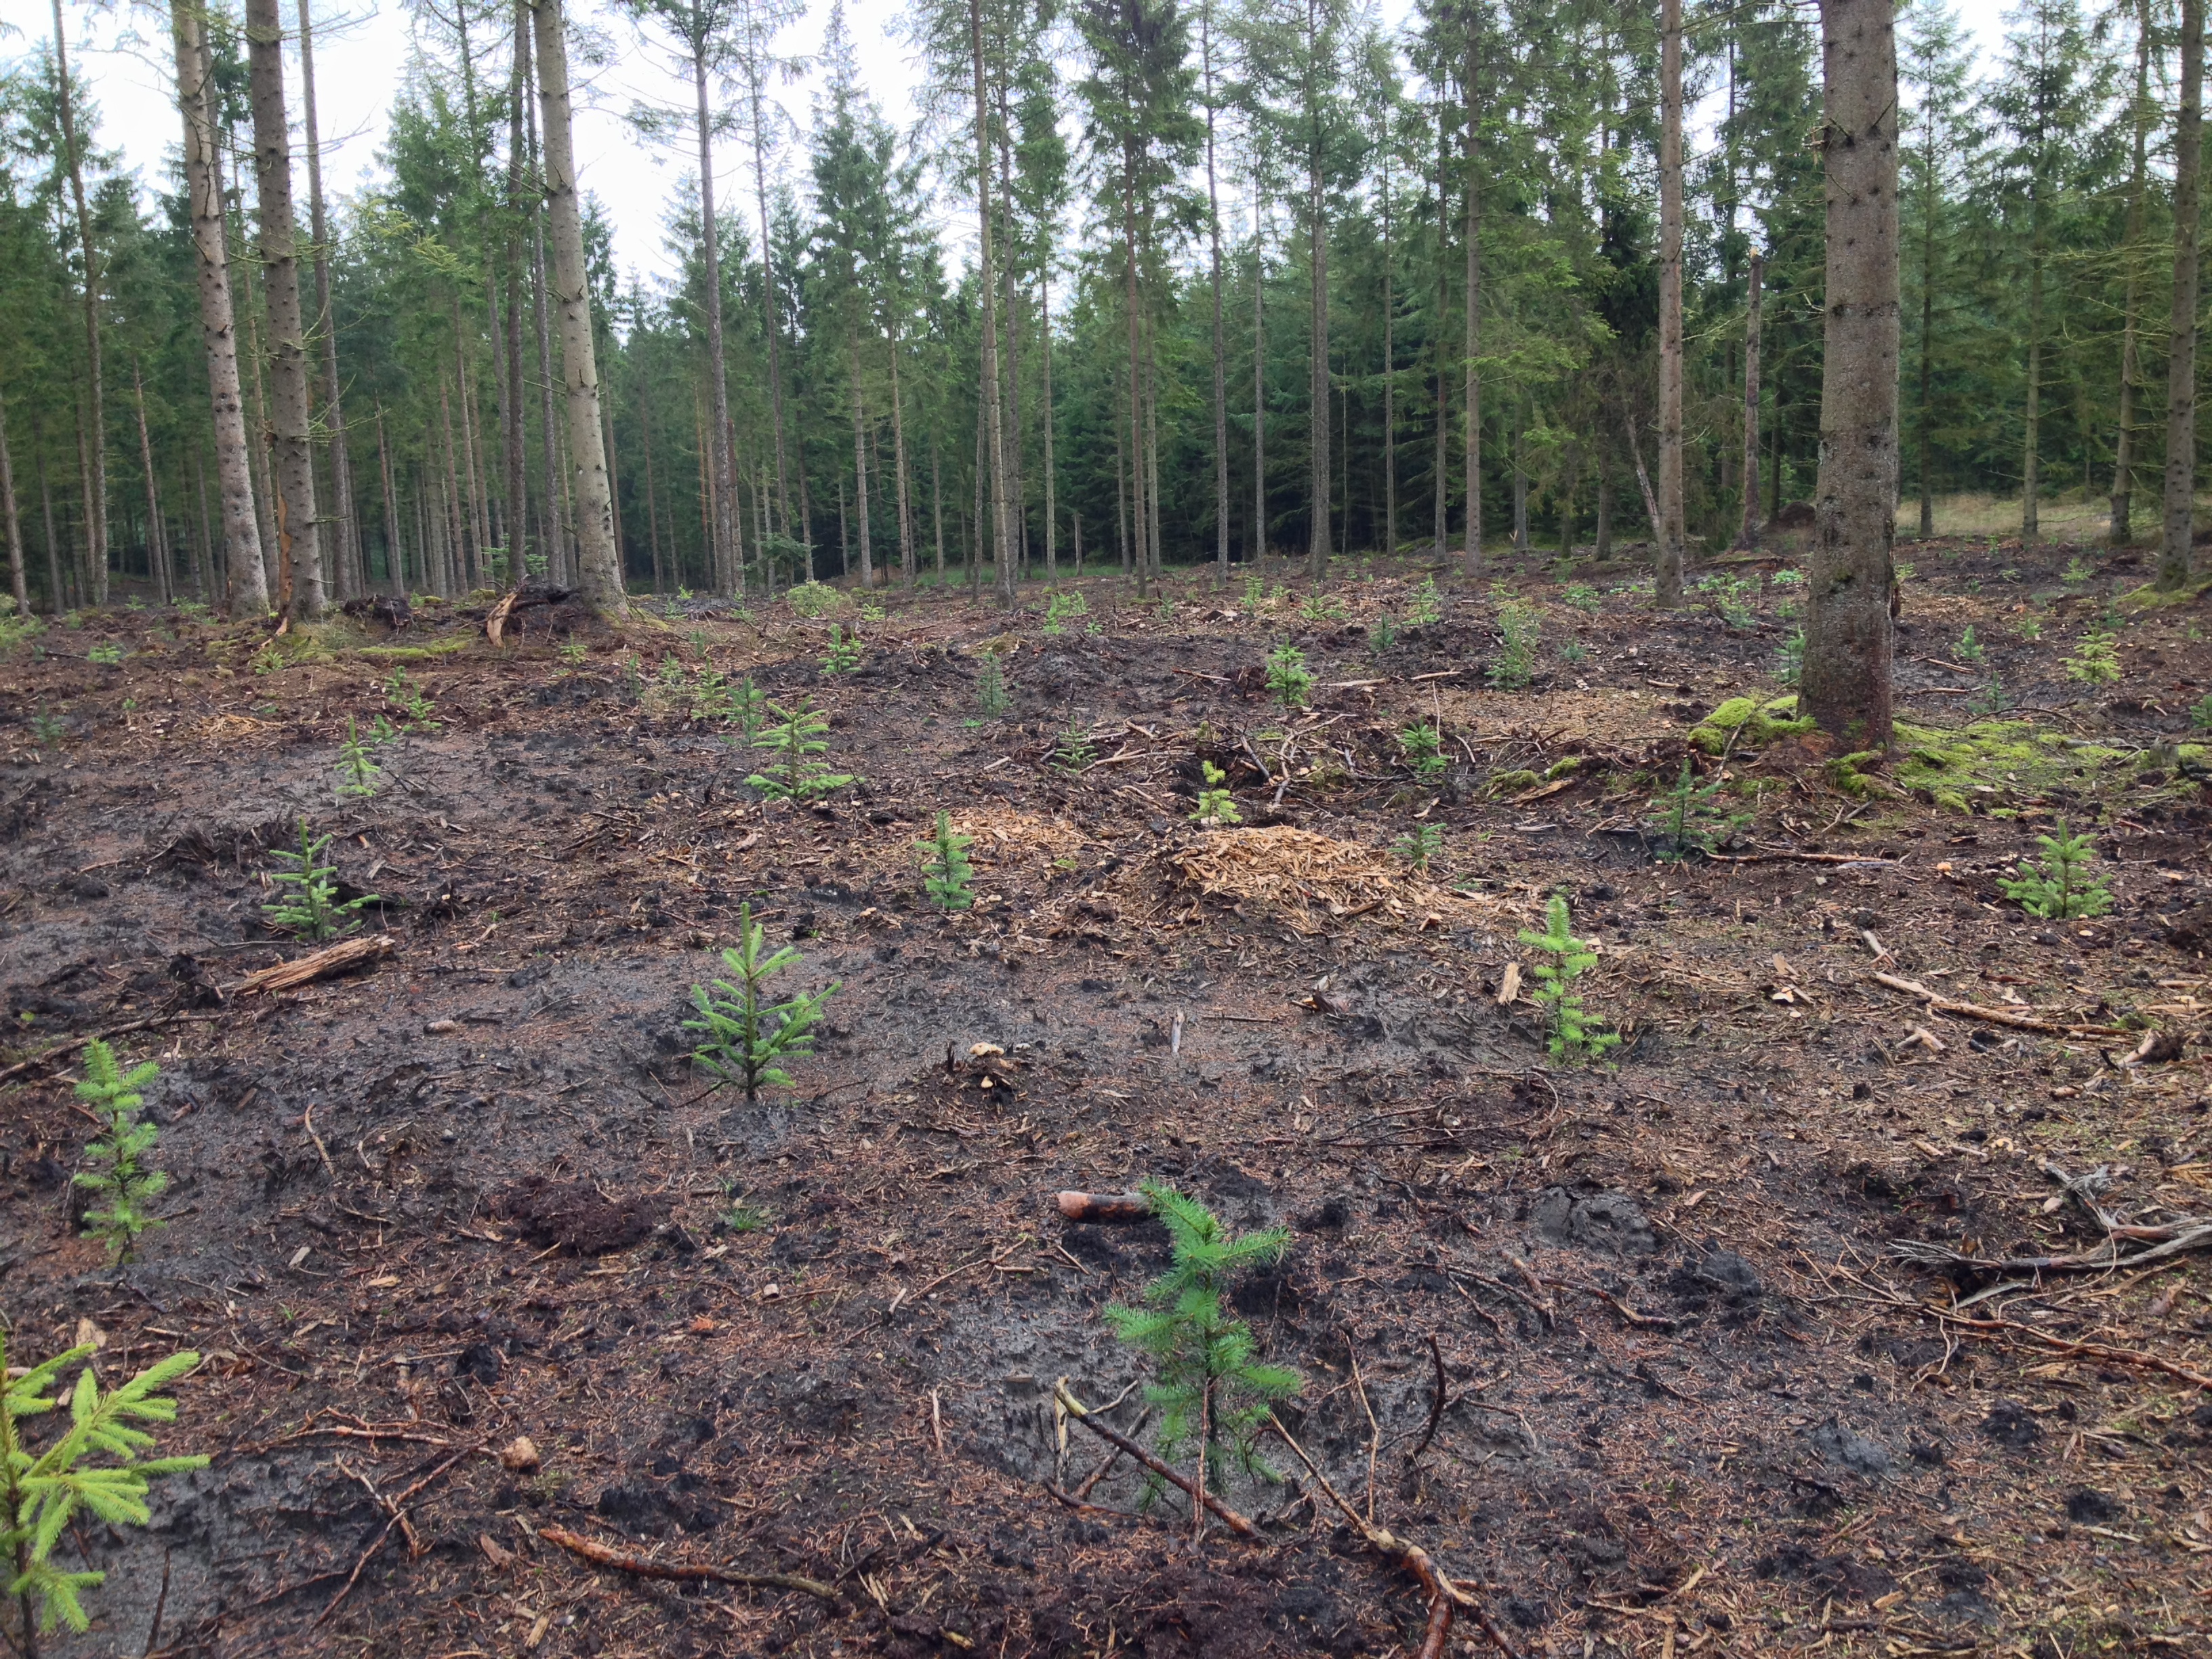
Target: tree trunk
point(345, 541)
point(1318, 547)
point(599, 575)
point(1602, 546)
point(55, 603)
point(993, 416)
point(97, 468)
point(1671, 530)
point(898, 467)
point(717, 379)
point(1927, 441)
point(1849, 633)
point(2031, 483)
point(1258, 537)
point(246, 590)
point(395, 558)
point(1220, 358)
point(157, 564)
point(2123, 526)
point(15, 524)
point(1051, 478)
point(768, 328)
point(1471, 431)
point(1139, 555)
point(292, 468)
point(257, 450)
point(1747, 534)
point(1442, 469)
point(552, 531)
point(1389, 367)
point(2174, 563)
point(860, 470)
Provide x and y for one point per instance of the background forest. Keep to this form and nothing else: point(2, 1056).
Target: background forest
point(1232, 246)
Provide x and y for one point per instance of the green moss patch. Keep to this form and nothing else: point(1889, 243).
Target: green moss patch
point(429, 653)
point(1995, 763)
point(1746, 723)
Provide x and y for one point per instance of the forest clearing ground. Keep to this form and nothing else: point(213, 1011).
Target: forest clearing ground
point(1696, 1403)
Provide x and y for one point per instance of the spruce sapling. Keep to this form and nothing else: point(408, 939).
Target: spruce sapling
point(1571, 1035)
point(745, 1037)
point(2060, 888)
point(1420, 846)
point(42, 1492)
point(1288, 679)
point(794, 740)
point(1073, 752)
point(1688, 821)
point(1215, 804)
point(118, 1182)
point(843, 655)
point(309, 905)
point(946, 872)
point(991, 695)
point(357, 773)
point(1424, 748)
point(1211, 1391)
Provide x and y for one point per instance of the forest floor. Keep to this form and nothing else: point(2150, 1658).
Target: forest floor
point(1692, 1398)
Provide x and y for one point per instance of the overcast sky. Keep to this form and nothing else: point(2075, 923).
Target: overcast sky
point(362, 54)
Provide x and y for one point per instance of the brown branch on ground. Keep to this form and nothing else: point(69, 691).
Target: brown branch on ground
point(1105, 1209)
point(393, 1508)
point(62, 1050)
point(1641, 1321)
point(2195, 1236)
point(1943, 1004)
point(1436, 1403)
point(1445, 1596)
point(684, 1572)
point(1076, 1409)
point(340, 958)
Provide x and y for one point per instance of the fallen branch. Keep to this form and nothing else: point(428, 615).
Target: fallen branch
point(1642, 1321)
point(1943, 1004)
point(2103, 1351)
point(1797, 858)
point(2193, 1236)
point(1076, 1409)
point(1435, 1403)
point(392, 1506)
point(1445, 1596)
point(62, 1050)
point(1105, 1209)
point(340, 958)
point(603, 1555)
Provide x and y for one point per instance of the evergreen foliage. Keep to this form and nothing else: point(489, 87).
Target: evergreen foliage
point(745, 1039)
point(120, 1183)
point(946, 872)
point(2059, 886)
point(1570, 1033)
point(308, 903)
point(798, 735)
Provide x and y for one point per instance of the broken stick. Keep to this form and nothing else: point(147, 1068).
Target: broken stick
point(602, 1555)
point(1105, 1209)
point(340, 958)
point(1943, 1004)
point(1081, 1413)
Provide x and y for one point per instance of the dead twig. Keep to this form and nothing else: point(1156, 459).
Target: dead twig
point(1641, 1321)
point(1943, 1004)
point(688, 1572)
point(2195, 1236)
point(1082, 1413)
point(1435, 1403)
point(393, 1507)
point(62, 1050)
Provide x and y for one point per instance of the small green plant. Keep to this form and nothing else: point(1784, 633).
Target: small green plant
point(991, 694)
point(1969, 649)
point(1424, 749)
point(710, 694)
point(1992, 699)
point(2095, 660)
point(1062, 608)
point(1573, 652)
point(403, 695)
point(1571, 1034)
point(1381, 635)
point(748, 704)
point(744, 1038)
point(15, 630)
point(1519, 626)
point(1906, 570)
point(1687, 821)
point(46, 729)
point(633, 674)
point(2200, 714)
point(871, 612)
point(795, 739)
point(739, 1215)
point(1164, 606)
point(1215, 804)
point(1212, 1392)
point(947, 873)
point(2059, 887)
point(1421, 845)
point(843, 655)
point(1320, 607)
point(107, 656)
point(812, 599)
point(573, 651)
point(308, 903)
point(1288, 679)
point(2029, 628)
point(119, 1182)
point(1425, 605)
point(696, 638)
point(1582, 597)
point(1255, 590)
point(2078, 570)
point(357, 772)
point(1073, 752)
point(1790, 659)
point(99, 1467)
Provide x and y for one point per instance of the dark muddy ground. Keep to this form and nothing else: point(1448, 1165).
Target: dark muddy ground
point(1694, 1401)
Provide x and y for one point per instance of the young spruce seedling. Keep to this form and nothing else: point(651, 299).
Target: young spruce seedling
point(2059, 887)
point(1572, 1035)
point(1687, 821)
point(794, 740)
point(1211, 1391)
point(357, 773)
point(1215, 804)
point(119, 1183)
point(1288, 679)
point(946, 872)
point(744, 1038)
point(309, 904)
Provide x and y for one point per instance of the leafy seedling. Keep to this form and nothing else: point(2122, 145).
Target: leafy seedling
point(1582, 597)
point(99, 1467)
point(1209, 1387)
point(1420, 846)
point(121, 1184)
point(1215, 804)
point(307, 902)
point(1687, 821)
point(1570, 1033)
point(2078, 570)
point(745, 1039)
point(106, 656)
point(2059, 887)
point(573, 650)
point(947, 874)
point(357, 772)
point(1320, 607)
point(1288, 679)
point(1061, 609)
point(795, 739)
point(403, 695)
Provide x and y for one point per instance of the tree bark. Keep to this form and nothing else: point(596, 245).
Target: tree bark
point(1220, 357)
point(993, 416)
point(768, 321)
point(1259, 538)
point(552, 527)
point(55, 602)
point(96, 458)
point(2174, 554)
point(860, 469)
point(2123, 526)
point(717, 378)
point(1051, 477)
point(1471, 431)
point(1748, 535)
point(292, 457)
point(1671, 528)
point(598, 573)
point(257, 450)
point(157, 562)
point(345, 547)
point(1317, 419)
point(898, 466)
point(1930, 195)
point(1847, 683)
point(14, 523)
point(395, 557)
point(1389, 365)
point(245, 588)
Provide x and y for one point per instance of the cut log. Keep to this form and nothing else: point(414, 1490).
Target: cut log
point(1106, 1209)
point(327, 963)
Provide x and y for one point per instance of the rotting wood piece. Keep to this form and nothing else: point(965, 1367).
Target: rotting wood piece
point(687, 1572)
point(1938, 1004)
point(340, 958)
point(1105, 1209)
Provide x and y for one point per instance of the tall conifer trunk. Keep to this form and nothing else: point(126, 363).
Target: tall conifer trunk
point(1470, 319)
point(1671, 528)
point(993, 416)
point(726, 576)
point(2173, 563)
point(345, 546)
point(1220, 359)
point(292, 456)
point(1317, 421)
point(2123, 526)
point(95, 468)
point(1849, 641)
point(15, 524)
point(1747, 534)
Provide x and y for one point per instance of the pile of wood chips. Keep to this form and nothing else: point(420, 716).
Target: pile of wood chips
point(1296, 870)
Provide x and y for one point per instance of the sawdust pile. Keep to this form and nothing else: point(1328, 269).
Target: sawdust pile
point(1296, 870)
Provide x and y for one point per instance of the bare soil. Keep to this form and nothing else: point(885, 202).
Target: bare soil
point(1693, 1400)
